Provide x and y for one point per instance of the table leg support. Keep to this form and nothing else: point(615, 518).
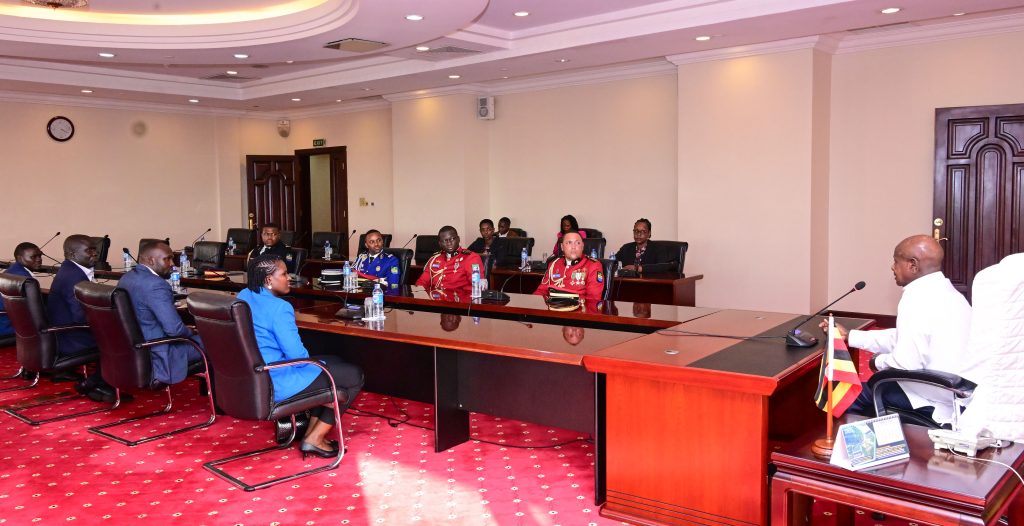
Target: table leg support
point(451, 422)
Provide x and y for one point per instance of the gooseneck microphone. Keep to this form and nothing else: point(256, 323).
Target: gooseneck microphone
point(50, 258)
point(414, 236)
point(498, 295)
point(48, 242)
point(129, 252)
point(798, 338)
point(201, 236)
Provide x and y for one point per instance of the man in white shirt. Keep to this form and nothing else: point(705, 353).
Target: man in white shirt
point(932, 324)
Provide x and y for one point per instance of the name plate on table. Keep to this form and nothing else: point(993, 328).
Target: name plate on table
point(869, 443)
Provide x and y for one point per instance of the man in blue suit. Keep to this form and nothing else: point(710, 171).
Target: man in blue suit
point(27, 257)
point(153, 302)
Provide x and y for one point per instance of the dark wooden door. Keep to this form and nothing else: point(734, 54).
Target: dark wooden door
point(274, 186)
point(979, 187)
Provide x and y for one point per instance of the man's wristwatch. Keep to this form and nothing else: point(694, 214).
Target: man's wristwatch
point(871, 363)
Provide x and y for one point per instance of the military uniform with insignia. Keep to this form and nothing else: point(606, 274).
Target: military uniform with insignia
point(584, 277)
point(381, 266)
point(451, 272)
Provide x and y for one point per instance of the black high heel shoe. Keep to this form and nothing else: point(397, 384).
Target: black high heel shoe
point(309, 449)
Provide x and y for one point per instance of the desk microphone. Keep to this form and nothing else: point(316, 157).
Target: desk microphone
point(129, 252)
point(498, 295)
point(414, 236)
point(50, 258)
point(48, 242)
point(796, 338)
point(201, 236)
point(349, 239)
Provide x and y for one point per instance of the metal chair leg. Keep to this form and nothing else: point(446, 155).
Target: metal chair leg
point(21, 370)
point(15, 411)
point(99, 430)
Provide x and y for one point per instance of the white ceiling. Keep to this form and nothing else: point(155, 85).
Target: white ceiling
point(167, 50)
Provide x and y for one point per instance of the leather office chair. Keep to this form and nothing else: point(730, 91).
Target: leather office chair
point(488, 261)
point(609, 278)
point(244, 389)
point(244, 238)
point(146, 240)
point(362, 242)
point(959, 389)
point(597, 243)
point(515, 249)
point(592, 232)
point(126, 357)
point(426, 246)
point(102, 245)
point(295, 259)
point(288, 237)
point(676, 252)
point(37, 342)
point(208, 254)
point(520, 231)
point(316, 250)
point(404, 256)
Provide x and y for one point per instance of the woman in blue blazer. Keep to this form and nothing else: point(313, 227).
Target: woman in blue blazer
point(278, 337)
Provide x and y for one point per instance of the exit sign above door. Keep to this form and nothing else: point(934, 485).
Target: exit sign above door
point(319, 143)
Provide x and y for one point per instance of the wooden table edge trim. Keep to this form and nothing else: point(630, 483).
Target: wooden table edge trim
point(739, 382)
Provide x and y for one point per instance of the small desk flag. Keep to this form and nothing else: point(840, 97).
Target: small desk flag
point(837, 366)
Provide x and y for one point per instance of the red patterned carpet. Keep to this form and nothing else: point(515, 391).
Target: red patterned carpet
point(60, 473)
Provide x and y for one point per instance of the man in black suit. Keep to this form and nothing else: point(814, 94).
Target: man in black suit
point(270, 235)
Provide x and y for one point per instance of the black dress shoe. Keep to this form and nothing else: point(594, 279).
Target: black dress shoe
point(66, 376)
point(310, 449)
point(106, 394)
point(83, 387)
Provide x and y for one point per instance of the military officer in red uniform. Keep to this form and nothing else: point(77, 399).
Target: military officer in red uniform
point(453, 266)
point(574, 272)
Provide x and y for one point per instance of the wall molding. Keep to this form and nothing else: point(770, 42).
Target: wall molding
point(825, 43)
point(923, 34)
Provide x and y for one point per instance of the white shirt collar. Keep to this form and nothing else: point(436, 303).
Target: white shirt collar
point(150, 270)
point(924, 282)
point(89, 272)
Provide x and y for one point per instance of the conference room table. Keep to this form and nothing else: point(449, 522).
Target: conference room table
point(683, 418)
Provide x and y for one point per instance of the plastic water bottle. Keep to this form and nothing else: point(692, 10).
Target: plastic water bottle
point(615, 264)
point(327, 250)
point(183, 261)
point(476, 292)
point(231, 246)
point(593, 253)
point(378, 302)
point(128, 263)
point(175, 280)
point(346, 272)
point(524, 260)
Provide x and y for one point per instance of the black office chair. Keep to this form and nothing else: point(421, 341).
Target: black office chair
point(609, 278)
point(316, 250)
point(597, 243)
point(404, 256)
point(126, 356)
point(488, 261)
point(362, 242)
point(426, 246)
point(295, 259)
point(520, 231)
point(676, 252)
point(147, 240)
point(36, 341)
point(592, 232)
point(244, 389)
point(515, 250)
point(288, 237)
point(959, 389)
point(102, 245)
point(208, 254)
point(244, 238)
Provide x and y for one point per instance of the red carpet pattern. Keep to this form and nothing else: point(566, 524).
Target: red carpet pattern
point(60, 473)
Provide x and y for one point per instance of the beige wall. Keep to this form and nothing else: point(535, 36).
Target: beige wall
point(882, 147)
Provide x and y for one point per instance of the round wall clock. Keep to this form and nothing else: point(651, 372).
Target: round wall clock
point(60, 128)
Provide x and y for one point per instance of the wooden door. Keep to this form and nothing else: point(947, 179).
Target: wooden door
point(274, 187)
point(979, 187)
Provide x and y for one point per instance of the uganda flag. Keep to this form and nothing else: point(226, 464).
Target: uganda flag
point(837, 366)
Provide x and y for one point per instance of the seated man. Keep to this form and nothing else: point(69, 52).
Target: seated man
point(63, 308)
point(488, 243)
point(573, 272)
point(453, 266)
point(27, 257)
point(932, 324)
point(643, 252)
point(377, 265)
point(504, 226)
point(270, 235)
point(153, 303)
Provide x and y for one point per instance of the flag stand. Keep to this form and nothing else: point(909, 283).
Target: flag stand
point(822, 447)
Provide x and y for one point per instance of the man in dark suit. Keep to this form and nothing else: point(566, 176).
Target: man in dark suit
point(27, 257)
point(153, 303)
point(63, 308)
point(270, 235)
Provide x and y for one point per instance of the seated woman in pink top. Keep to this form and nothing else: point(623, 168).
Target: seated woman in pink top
point(569, 224)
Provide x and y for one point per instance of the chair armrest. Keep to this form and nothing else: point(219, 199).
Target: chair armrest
point(64, 328)
point(936, 378)
point(290, 363)
point(171, 339)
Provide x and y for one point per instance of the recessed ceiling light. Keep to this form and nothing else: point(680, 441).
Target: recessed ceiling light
point(959, 14)
point(455, 77)
point(337, 100)
point(289, 62)
point(229, 72)
point(241, 55)
point(562, 60)
point(422, 48)
point(504, 77)
point(296, 100)
point(890, 10)
point(703, 38)
point(522, 13)
point(194, 101)
point(414, 18)
point(367, 89)
point(107, 55)
point(87, 91)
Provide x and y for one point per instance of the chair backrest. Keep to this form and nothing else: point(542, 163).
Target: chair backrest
point(362, 242)
point(110, 313)
point(37, 350)
point(594, 243)
point(404, 256)
point(609, 277)
point(676, 252)
point(592, 232)
point(102, 245)
point(316, 250)
point(225, 325)
point(520, 231)
point(488, 261)
point(515, 249)
point(244, 238)
point(288, 237)
point(295, 259)
point(426, 245)
point(147, 240)
point(208, 254)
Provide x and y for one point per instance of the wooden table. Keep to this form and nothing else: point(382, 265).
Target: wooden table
point(932, 487)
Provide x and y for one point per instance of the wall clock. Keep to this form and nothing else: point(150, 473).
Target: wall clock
point(60, 128)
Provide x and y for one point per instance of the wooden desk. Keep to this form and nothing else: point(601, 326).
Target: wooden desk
point(933, 487)
point(689, 418)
